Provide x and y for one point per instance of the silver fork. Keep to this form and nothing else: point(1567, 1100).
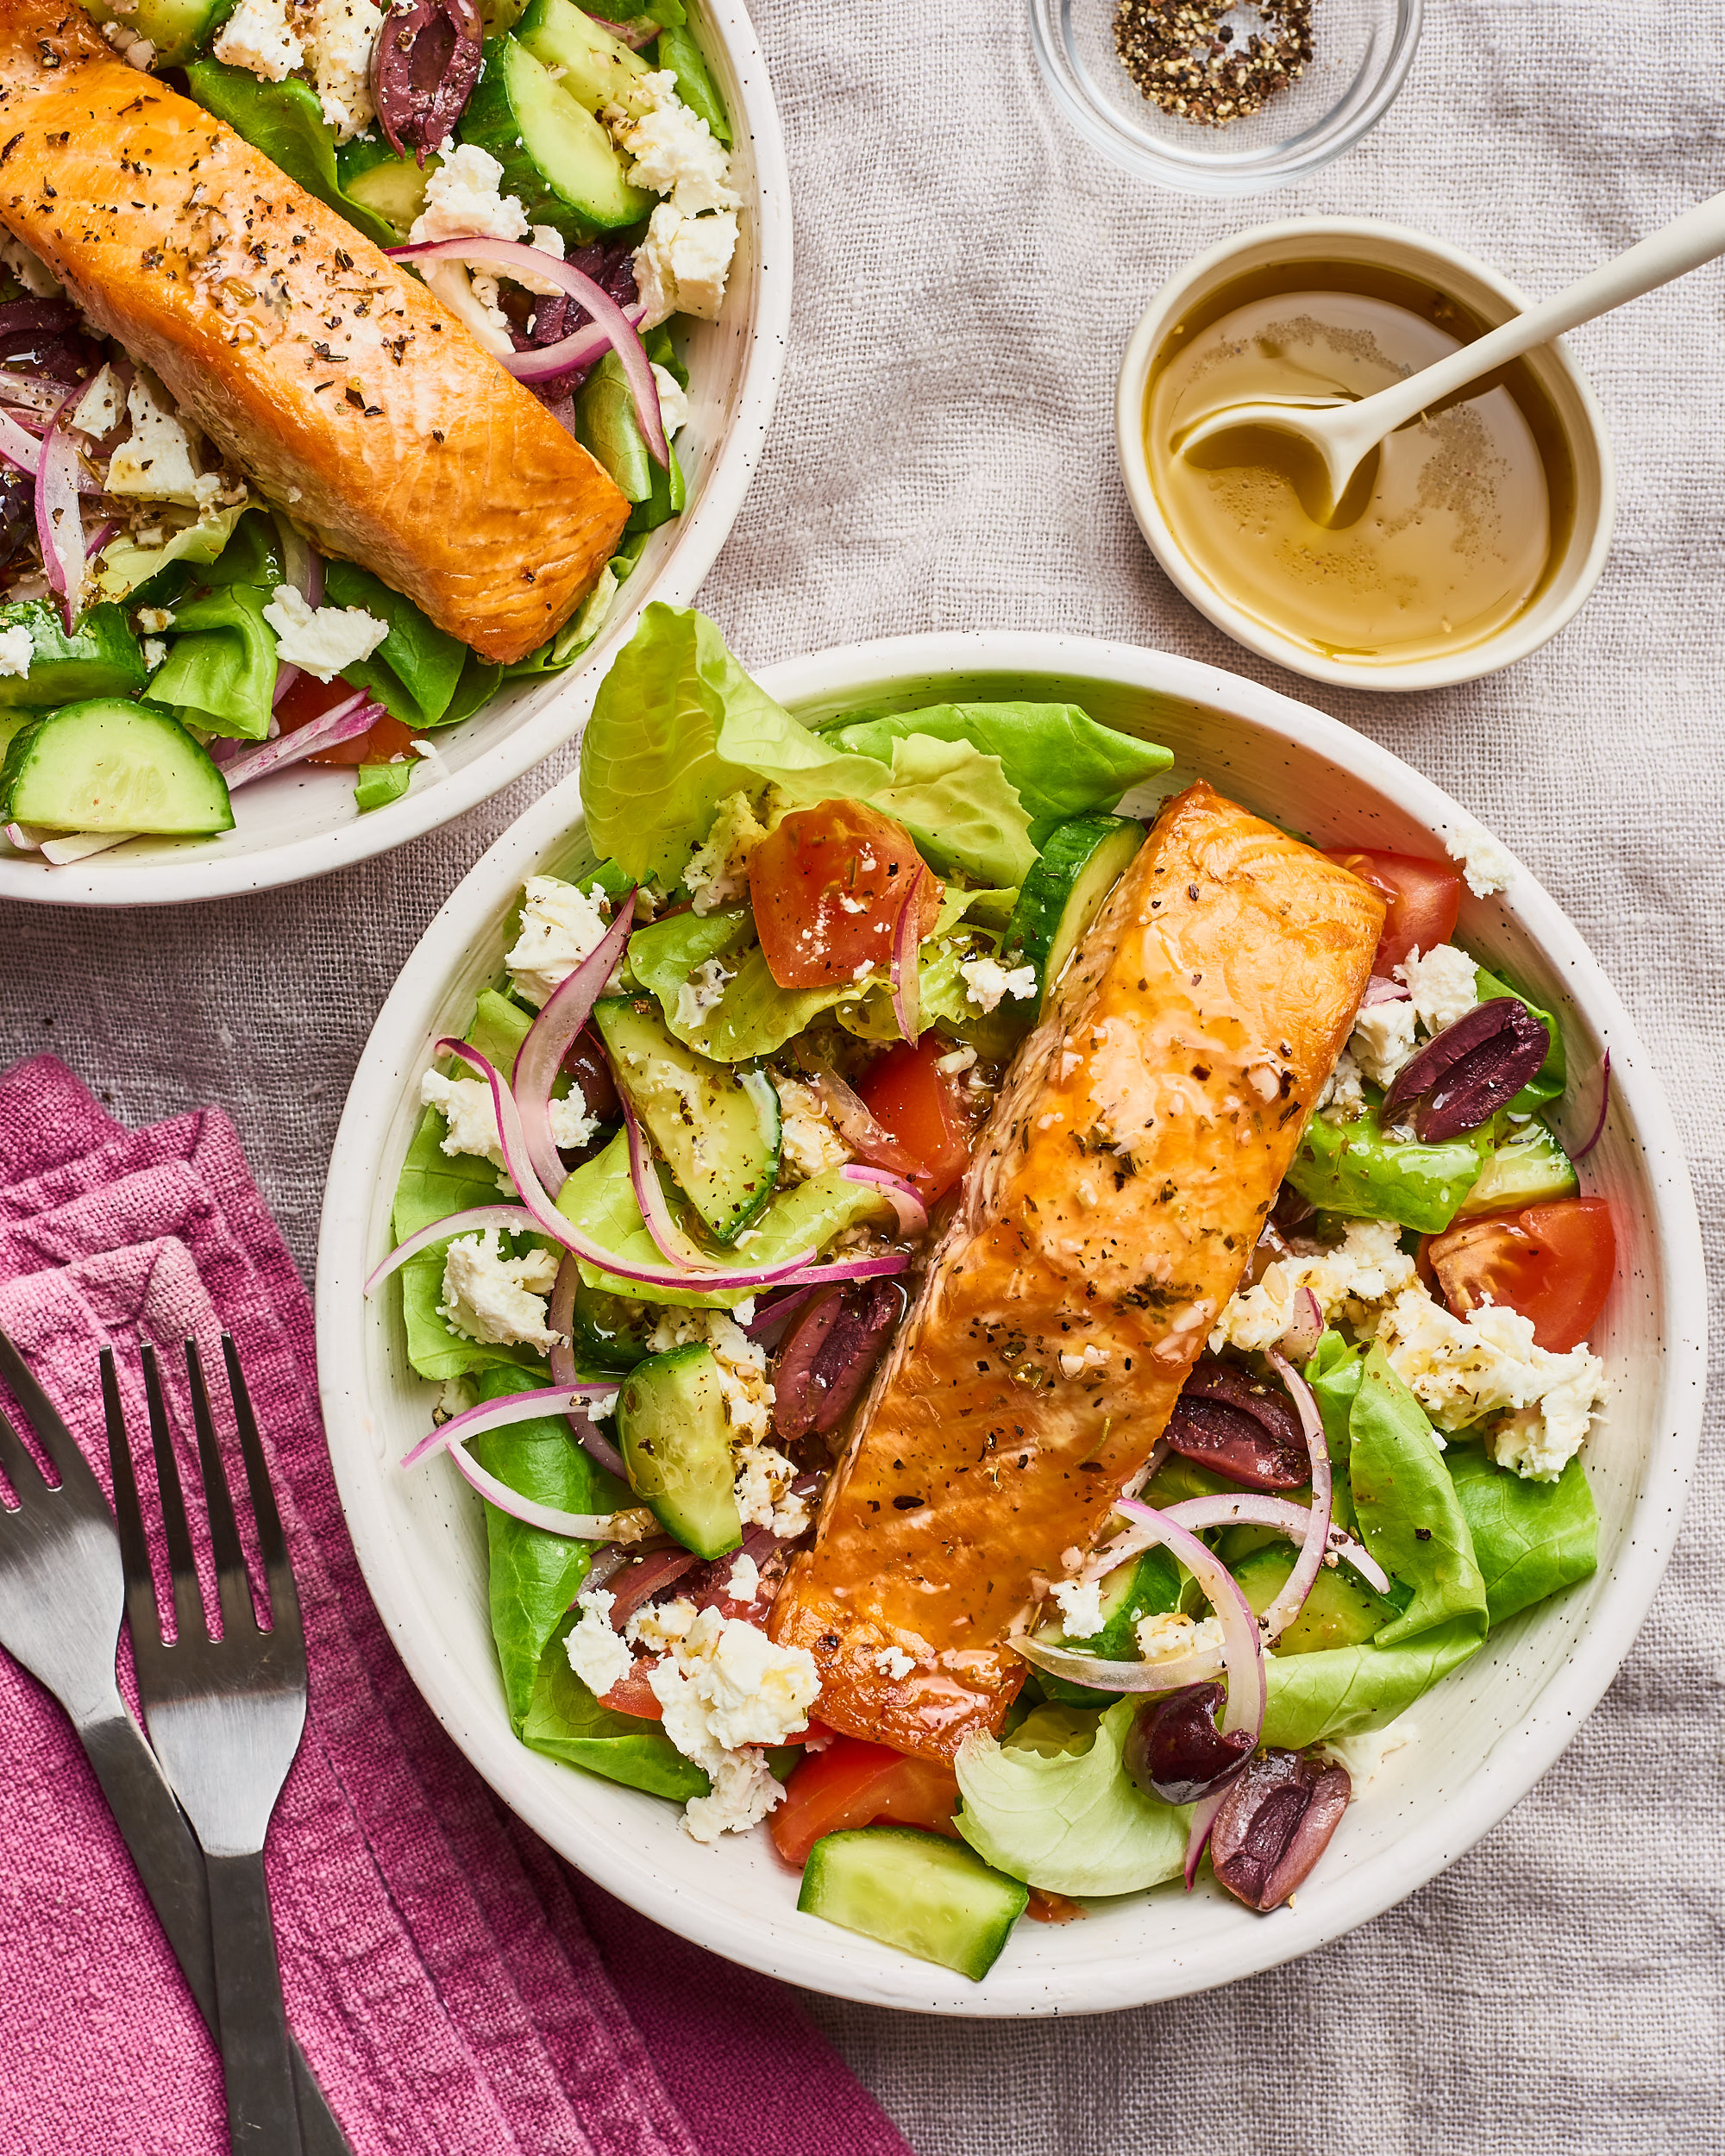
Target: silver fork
point(61, 1596)
point(225, 1714)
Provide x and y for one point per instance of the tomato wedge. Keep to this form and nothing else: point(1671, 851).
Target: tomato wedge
point(853, 1783)
point(911, 1099)
point(633, 1695)
point(309, 698)
point(1552, 1262)
point(1424, 898)
point(828, 886)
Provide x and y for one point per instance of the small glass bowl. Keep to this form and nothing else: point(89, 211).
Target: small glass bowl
point(1362, 51)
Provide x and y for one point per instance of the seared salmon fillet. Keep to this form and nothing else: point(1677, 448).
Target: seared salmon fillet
point(1109, 1211)
point(328, 374)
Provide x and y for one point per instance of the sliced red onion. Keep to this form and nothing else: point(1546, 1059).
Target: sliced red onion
point(546, 367)
point(635, 36)
point(1381, 989)
point(497, 1414)
point(1203, 1820)
point(23, 449)
point(302, 564)
point(578, 1526)
point(552, 1034)
point(855, 1124)
point(358, 715)
point(286, 676)
point(99, 538)
point(548, 360)
point(512, 1219)
point(1291, 1600)
point(1307, 1328)
point(61, 848)
point(36, 393)
point(912, 1212)
point(60, 521)
point(1598, 1131)
point(646, 1576)
point(1248, 1509)
point(673, 1245)
point(765, 1324)
point(1158, 1452)
point(560, 1316)
point(906, 974)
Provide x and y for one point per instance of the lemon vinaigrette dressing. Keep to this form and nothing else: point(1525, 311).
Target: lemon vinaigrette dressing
point(1447, 532)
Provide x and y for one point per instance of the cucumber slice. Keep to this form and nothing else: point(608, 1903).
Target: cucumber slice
point(1341, 1610)
point(107, 766)
point(555, 156)
point(1142, 1587)
point(370, 173)
point(1063, 893)
point(672, 1431)
point(610, 1331)
point(599, 70)
point(922, 1893)
point(717, 1126)
point(177, 28)
point(1529, 1171)
point(99, 657)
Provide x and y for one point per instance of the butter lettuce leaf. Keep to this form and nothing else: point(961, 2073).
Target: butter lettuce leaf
point(415, 670)
point(1358, 1170)
point(124, 567)
point(1053, 1806)
point(1531, 1539)
point(220, 670)
point(564, 1720)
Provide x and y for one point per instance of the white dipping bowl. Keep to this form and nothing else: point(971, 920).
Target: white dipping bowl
point(1485, 1734)
point(302, 822)
point(1493, 299)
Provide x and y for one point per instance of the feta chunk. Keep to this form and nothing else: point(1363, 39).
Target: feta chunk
point(744, 1792)
point(1383, 1039)
point(726, 1685)
point(681, 265)
point(1080, 1606)
point(718, 869)
point(462, 201)
point(987, 980)
point(31, 272)
point(155, 462)
point(657, 1626)
point(747, 1396)
point(560, 924)
point(154, 652)
point(674, 150)
point(1171, 1632)
point(702, 992)
point(343, 35)
point(489, 1297)
point(17, 649)
point(1352, 1282)
point(97, 411)
point(258, 37)
point(1363, 1751)
point(1341, 1099)
point(1443, 986)
point(465, 1105)
point(1485, 865)
point(324, 640)
point(808, 1143)
point(673, 401)
point(764, 1496)
point(598, 1655)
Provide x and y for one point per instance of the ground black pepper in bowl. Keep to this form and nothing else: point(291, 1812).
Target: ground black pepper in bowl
point(1187, 58)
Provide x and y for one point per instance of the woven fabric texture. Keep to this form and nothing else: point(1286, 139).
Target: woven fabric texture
point(967, 273)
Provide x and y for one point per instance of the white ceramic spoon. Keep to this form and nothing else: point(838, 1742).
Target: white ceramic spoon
point(1344, 434)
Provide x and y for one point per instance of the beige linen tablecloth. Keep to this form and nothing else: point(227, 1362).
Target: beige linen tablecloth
point(967, 275)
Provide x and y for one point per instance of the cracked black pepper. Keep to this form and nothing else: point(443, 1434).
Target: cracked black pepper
point(1186, 58)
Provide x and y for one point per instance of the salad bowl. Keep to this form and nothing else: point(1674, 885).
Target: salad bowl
point(1484, 1735)
point(302, 822)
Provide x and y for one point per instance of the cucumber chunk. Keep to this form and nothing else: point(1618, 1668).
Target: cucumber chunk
point(1142, 1587)
point(555, 156)
point(610, 1331)
point(922, 1893)
point(717, 1126)
point(370, 173)
point(1528, 1170)
point(1341, 1610)
point(108, 765)
point(177, 28)
point(99, 657)
point(599, 70)
point(1081, 862)
point(672, 1431)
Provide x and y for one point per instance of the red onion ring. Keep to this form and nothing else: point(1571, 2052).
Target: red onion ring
point(512, 1219)
point(547, 365)
point(577, 1527)
point(551, 360)
point(762, 1324)
point(1381, 989)
point(550, 1037)
point(1291, 1600)
point(286, 676)
point(1604, 1107)
point(560, 1316)
point(497, 1414)
point(1307, 1328)
point(1250, 1509)
point(60, 521)
point(1203, 1820)
point(23, 449)
point(344, 723)
point(912, 1212)
point(905, 972)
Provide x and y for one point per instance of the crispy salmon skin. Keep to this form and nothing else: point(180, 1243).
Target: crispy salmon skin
point(328, 374)
point(1108, 1214)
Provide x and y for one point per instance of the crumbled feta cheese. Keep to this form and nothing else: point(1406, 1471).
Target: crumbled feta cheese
point(455, 1396)
point(764, 1496)
point(154, 652)
point(745, 1582)
point(674, 400)
point(258, 37)
point(1074, 1362)
point(1485, 865)
point(1080, 1606)
point(1383, 1039)
point(344, 34)
point(572, 1127)
point(153, 619)
point(741, 1363)
point(718, 870)
point(17, 649)
point(1341, 1099)
point(894, 1663)
point(155, 462)
point(681, 265)
point(809, 1145)
point(986, 980)
point(744, 1792)
point(31, 272)
point(1365, 1269)
point(136, 52)
point(1363, 1751)
point(487, 1296)
point(97, 411)
point(1171, 1631)
point(702, 992)
point(467, 1105)
point(598, 1654)
point(462, 201)
point(960, 1060)
point(560, 924)
point(1444, 985)
point(324, 640)
point(725, 1685)
point(674, 150)
point(657, 1626)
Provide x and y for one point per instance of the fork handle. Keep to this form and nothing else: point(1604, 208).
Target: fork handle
point(171, 1865)
point(262, 2119)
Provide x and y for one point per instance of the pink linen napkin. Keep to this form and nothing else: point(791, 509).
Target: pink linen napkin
point(456, 1987)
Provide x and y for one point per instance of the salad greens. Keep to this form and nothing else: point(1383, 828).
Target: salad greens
point(221, 668)
point(1357, 1169)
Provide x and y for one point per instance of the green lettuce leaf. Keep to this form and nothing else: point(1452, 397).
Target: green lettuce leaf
point(415, 670)
point(961, 808)
point(1548, 1081)
point(1531, 1538)
point(220, 670)
point(1061, 762)
point(378, 784)
point(1355, 1169)
point(566, 1721)
point(253, 555)
point(158, 575)
point(695, 86)
point(1053, 1806)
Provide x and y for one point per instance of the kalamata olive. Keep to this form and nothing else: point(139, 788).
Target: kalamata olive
point(424, 65)
point(1275, 1823)
point(1473, 1067)
point(1175, 1750)
point(17, 513)
point(829, 1356)
point(585, 1062)
point(1240, 1425)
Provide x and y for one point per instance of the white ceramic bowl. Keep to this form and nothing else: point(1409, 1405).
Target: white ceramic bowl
point(302, 822)
point(1486, 1735)
point(1494, 300)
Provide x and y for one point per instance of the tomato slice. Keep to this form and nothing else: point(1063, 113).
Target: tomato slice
point(908, 1097)
point(309, 698)
point(854, 1784)
point(1552, 1262)
point(633, 1695)
point(828, 886)
point(1424, 898)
